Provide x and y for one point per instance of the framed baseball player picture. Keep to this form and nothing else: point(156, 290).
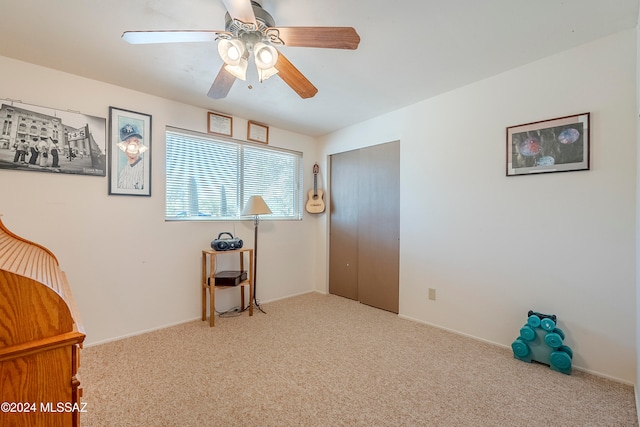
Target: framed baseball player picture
point(129, 153)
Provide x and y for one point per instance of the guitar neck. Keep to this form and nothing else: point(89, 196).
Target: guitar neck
point(315, 184)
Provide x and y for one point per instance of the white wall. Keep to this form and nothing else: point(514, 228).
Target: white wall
point(494, 246)
point(129, 270)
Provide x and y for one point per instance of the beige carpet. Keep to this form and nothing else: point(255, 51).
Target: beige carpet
point(317, 360)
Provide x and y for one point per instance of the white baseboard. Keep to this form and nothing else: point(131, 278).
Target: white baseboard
point(145, 331)
point(578, 368)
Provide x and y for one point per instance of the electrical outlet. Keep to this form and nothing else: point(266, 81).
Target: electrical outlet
point(432, 294)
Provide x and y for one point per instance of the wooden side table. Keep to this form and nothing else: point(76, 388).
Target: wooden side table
point(209, 278)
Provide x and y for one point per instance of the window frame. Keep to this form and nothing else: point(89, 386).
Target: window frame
point(241, 196)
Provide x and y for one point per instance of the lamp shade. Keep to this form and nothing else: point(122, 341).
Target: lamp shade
point(256, 206)
point(238, 71)
point(265, 74)
point(266, 55)
point(231, 51)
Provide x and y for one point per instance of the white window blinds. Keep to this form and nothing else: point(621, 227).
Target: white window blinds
point(211, 178)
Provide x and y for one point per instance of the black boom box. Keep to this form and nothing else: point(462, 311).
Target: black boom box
point(227, 244)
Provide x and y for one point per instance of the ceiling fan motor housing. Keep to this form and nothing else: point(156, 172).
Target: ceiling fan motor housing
point(263, 19)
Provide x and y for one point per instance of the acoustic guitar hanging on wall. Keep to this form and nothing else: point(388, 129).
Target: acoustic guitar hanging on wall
point(315, 204)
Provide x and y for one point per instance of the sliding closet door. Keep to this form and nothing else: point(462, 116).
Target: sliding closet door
point(364, 228)
point(343, 240)
point(379, 226)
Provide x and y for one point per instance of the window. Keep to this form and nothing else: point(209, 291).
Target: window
point(212, 177)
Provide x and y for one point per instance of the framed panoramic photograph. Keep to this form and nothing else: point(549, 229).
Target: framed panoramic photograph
point(555, 145)
point(257, 132)
point(129, 153)
point(42, 139)
point(219, 124)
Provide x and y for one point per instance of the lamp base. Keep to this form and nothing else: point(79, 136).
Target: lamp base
point(257, 305)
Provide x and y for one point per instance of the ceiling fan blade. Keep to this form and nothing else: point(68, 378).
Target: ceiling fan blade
point(242, 10)
point(222, 84)
point(294, 78)
point(171, 36)
point(326, 37)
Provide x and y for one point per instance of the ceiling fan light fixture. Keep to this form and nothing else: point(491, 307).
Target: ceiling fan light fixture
point(231, 51)
point(239, 71)
point(265, 74)
point(265, 55)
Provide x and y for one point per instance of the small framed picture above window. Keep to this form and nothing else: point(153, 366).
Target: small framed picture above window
point(257, 132)
point(129, 153)
point(219, 124)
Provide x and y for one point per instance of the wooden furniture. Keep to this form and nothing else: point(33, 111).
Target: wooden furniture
point(209, 277)
point(40, 337)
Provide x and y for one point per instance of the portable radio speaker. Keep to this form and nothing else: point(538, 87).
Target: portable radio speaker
point(226, 244)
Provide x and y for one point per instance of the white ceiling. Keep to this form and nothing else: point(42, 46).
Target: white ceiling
point(410, 50)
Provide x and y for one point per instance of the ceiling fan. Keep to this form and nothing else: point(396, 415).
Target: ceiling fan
point(250, 29)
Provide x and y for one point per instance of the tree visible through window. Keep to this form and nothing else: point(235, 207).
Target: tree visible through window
point(212, 178)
